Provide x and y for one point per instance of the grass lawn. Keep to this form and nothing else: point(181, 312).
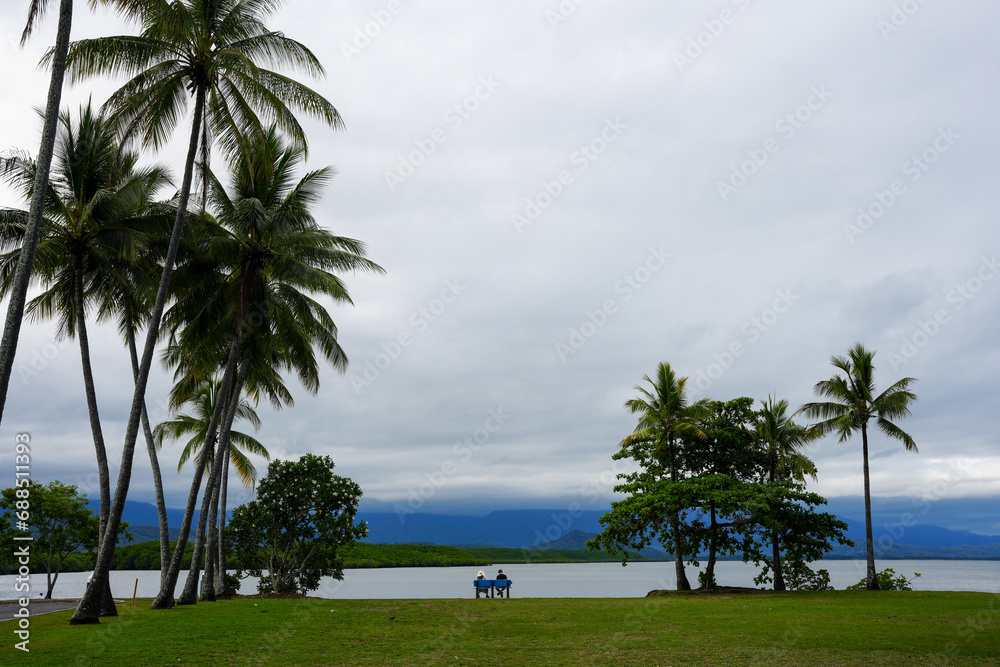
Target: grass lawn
point(835, 628)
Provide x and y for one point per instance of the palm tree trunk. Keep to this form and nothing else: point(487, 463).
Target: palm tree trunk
point(209, 583)
point(104, 477)
point(165, 598)
point(154, 463)
point(87, 610)
point(26, 260)
point(872, 576)
point(221, 588)
point(208, 580)
point(189, 594)
point(216, 540)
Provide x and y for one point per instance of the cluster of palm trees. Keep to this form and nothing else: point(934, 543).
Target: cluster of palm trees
point(229, 279)
point(851, 403)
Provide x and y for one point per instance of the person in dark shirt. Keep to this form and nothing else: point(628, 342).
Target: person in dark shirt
point(501, 575)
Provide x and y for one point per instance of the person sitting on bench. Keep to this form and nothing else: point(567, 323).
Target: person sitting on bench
point(501, 587)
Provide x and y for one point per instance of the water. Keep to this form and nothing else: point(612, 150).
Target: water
point(545, 580)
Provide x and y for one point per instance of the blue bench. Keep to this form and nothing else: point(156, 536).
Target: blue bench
point(490, 587)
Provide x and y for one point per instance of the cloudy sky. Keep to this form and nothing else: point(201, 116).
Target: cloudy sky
point(565, 194)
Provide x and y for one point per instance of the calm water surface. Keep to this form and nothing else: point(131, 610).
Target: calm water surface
point(546, 580)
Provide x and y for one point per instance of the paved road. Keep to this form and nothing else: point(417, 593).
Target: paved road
point(35, 607)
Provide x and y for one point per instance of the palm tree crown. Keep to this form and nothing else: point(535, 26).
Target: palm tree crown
point(853, 404)
point(784, 440)
point(196, 426)
point(664, 417)
point(213, 46)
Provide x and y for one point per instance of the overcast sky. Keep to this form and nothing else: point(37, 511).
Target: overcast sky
point(565, 194)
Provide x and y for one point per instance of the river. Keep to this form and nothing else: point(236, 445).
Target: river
point(545, 580)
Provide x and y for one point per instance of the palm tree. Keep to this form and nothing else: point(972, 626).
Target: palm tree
point(26, 259)
point(196, 426)
point(664, 417)
point(853, 404)
point(213, 49)
point(129, 304)
point(271, 255)
point(783, 439)
point(93, 226)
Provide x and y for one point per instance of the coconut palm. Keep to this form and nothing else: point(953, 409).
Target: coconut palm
point(212, 49)
point(783, 439)
point(196, 426)
point(853, 403)
point(26, 259)
point(129, 304)
point(97, 216)
point(664, 417)
point(271, 255)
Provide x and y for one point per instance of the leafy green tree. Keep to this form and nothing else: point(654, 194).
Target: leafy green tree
point(664, 416)
point(212, 49)
point(61, 522)
point(291, 534)
point(785, 509)
point(22, 274)
point(723, 470)
point(726, 502)
point(783, 439)
point(853, 403)
point(96, 218)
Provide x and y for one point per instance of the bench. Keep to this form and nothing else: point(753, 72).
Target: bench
point(489, 587)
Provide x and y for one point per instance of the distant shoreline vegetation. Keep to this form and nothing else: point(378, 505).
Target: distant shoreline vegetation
point(146, 556)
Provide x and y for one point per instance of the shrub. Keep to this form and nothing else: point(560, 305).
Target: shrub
point(887, 581)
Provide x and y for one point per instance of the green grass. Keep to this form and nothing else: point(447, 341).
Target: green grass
point(834, 628)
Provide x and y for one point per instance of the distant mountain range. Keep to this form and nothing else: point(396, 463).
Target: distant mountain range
point(562, 529)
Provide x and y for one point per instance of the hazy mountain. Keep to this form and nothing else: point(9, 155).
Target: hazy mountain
point(897, 534)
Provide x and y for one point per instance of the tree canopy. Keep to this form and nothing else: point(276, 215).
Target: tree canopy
point(60, 520)
point(291, 534)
